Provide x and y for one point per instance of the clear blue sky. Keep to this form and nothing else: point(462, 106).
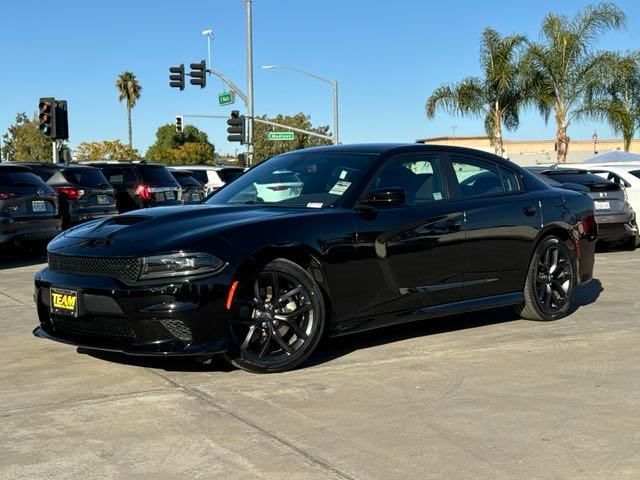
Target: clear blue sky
point(387, 55)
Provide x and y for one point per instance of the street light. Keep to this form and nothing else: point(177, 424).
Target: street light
point(209, 34)
point(333, 83)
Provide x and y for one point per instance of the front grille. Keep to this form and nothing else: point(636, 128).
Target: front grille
point(178, 329)
point(124, 268)
point(112, 327)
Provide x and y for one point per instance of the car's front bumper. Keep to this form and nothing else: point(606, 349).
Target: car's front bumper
point(180, 318)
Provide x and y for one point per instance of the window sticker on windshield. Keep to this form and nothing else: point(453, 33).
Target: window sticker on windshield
point(340, 187)
point(437, 196)
point(343, 174)
point(314, 205)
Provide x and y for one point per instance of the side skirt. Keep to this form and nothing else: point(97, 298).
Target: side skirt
point(362, 324)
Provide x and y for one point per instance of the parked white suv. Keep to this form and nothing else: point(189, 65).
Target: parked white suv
point(212, 176)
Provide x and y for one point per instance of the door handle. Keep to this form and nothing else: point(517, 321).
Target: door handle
point(529, 211)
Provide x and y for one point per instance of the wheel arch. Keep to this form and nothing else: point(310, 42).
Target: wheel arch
point(560, 230)
point(300, 254)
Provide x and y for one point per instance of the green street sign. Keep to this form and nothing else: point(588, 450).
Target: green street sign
point(226, 98)
point(280, 136)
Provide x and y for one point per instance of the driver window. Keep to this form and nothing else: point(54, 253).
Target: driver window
point(418, 175)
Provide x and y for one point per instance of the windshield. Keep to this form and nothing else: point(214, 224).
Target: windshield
point(300, 179)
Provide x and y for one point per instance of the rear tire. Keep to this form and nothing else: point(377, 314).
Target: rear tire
point(550, 282)
point(277, 319)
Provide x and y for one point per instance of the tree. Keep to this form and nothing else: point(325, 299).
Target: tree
point(617, 100)
point(105, 150)
point(128, 89)
point(24, 141)
point(563, 69)
point(497, 97)
point(168, 146)
point(265, 148)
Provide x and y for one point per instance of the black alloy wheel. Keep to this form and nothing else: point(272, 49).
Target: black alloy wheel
point(550, 282)
point(276, 319)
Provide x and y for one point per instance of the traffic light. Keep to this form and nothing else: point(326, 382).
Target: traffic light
point(179, 123)
point(236, 128)
point(61, 130)
point(47, 117)
point(176, 77)
point(199, 74)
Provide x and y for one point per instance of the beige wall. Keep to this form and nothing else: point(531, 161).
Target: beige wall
point(531, 152)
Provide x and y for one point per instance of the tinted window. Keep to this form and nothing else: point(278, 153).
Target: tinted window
point(156, 175)
point(87, 177)
point(119, 175)
point(43, 174)
point(228, 175)
point(321, 179)
point(418, 175)
point(477, 178)
point(635, 173)
point(201, 176)
point(509, 180)
point(186, 180)
point(19, 178)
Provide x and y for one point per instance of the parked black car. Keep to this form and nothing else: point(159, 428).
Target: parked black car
point(84, 192)
point(28, 207)
point(615, 218)
point(377, 235)
point(192, 190)
point(140, 184)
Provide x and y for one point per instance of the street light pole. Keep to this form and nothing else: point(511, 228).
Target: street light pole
point(333, 83)
point(209, 34)
point(250, 105)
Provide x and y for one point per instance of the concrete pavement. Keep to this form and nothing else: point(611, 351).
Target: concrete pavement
point(478, 396)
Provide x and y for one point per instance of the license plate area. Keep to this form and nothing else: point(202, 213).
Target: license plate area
point(170, 195)
point(38, 206)
point(602, 205)
point(195, 197)
point(103, 199)
point(63, 301)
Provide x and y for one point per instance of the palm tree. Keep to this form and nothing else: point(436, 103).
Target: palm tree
point(564, 69)
point(617, 100)
point(129, 89)
point(497, 96)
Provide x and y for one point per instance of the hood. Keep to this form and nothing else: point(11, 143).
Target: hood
point(160, 229)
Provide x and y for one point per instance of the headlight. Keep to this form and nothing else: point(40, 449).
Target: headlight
point(179, 264)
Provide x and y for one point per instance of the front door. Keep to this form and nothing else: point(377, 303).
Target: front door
point(411, 256)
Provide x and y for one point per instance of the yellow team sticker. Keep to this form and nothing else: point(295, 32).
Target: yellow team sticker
point(65, 300)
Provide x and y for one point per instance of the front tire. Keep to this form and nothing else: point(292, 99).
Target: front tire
point(276, 320)
point(550, 282)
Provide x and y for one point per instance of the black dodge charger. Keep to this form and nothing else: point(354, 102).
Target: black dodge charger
point(366, 236)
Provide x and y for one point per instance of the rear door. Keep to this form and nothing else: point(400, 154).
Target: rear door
point(411, 256)
point(98, 195)
point(501, 222)
point(24, 196)
point(125, 182)
point(162, 187)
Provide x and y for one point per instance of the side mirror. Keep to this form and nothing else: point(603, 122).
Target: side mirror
point(387, 197)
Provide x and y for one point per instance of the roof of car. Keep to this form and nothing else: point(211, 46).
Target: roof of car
point(14, 167)
point(125, 163)
point(205, 167)
point(52, 166)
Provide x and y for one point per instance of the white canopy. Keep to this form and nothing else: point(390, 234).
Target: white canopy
point(616, 156)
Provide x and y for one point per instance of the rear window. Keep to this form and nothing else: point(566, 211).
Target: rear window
point(17, 178)
point(228, 175)
point(186, 179)
point(87, 177)
point(201, 176)
point(156, 175)
point(119, 175)
point(279, 177)
point(635, 173)
point(587, 179)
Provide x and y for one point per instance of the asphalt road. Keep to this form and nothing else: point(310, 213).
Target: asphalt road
point(483, 396)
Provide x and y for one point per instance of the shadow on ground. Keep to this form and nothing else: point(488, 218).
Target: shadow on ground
point(19, 259)
point(337, 347)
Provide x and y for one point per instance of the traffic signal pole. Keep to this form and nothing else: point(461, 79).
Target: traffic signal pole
point(250, 110)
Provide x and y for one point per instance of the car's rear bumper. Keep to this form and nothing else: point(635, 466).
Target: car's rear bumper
point(12, 230)
point(78, 217)
point(585, 260)
point(615, 232)
point(182, 318)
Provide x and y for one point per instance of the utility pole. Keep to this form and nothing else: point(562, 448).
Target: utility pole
point(250, 109)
